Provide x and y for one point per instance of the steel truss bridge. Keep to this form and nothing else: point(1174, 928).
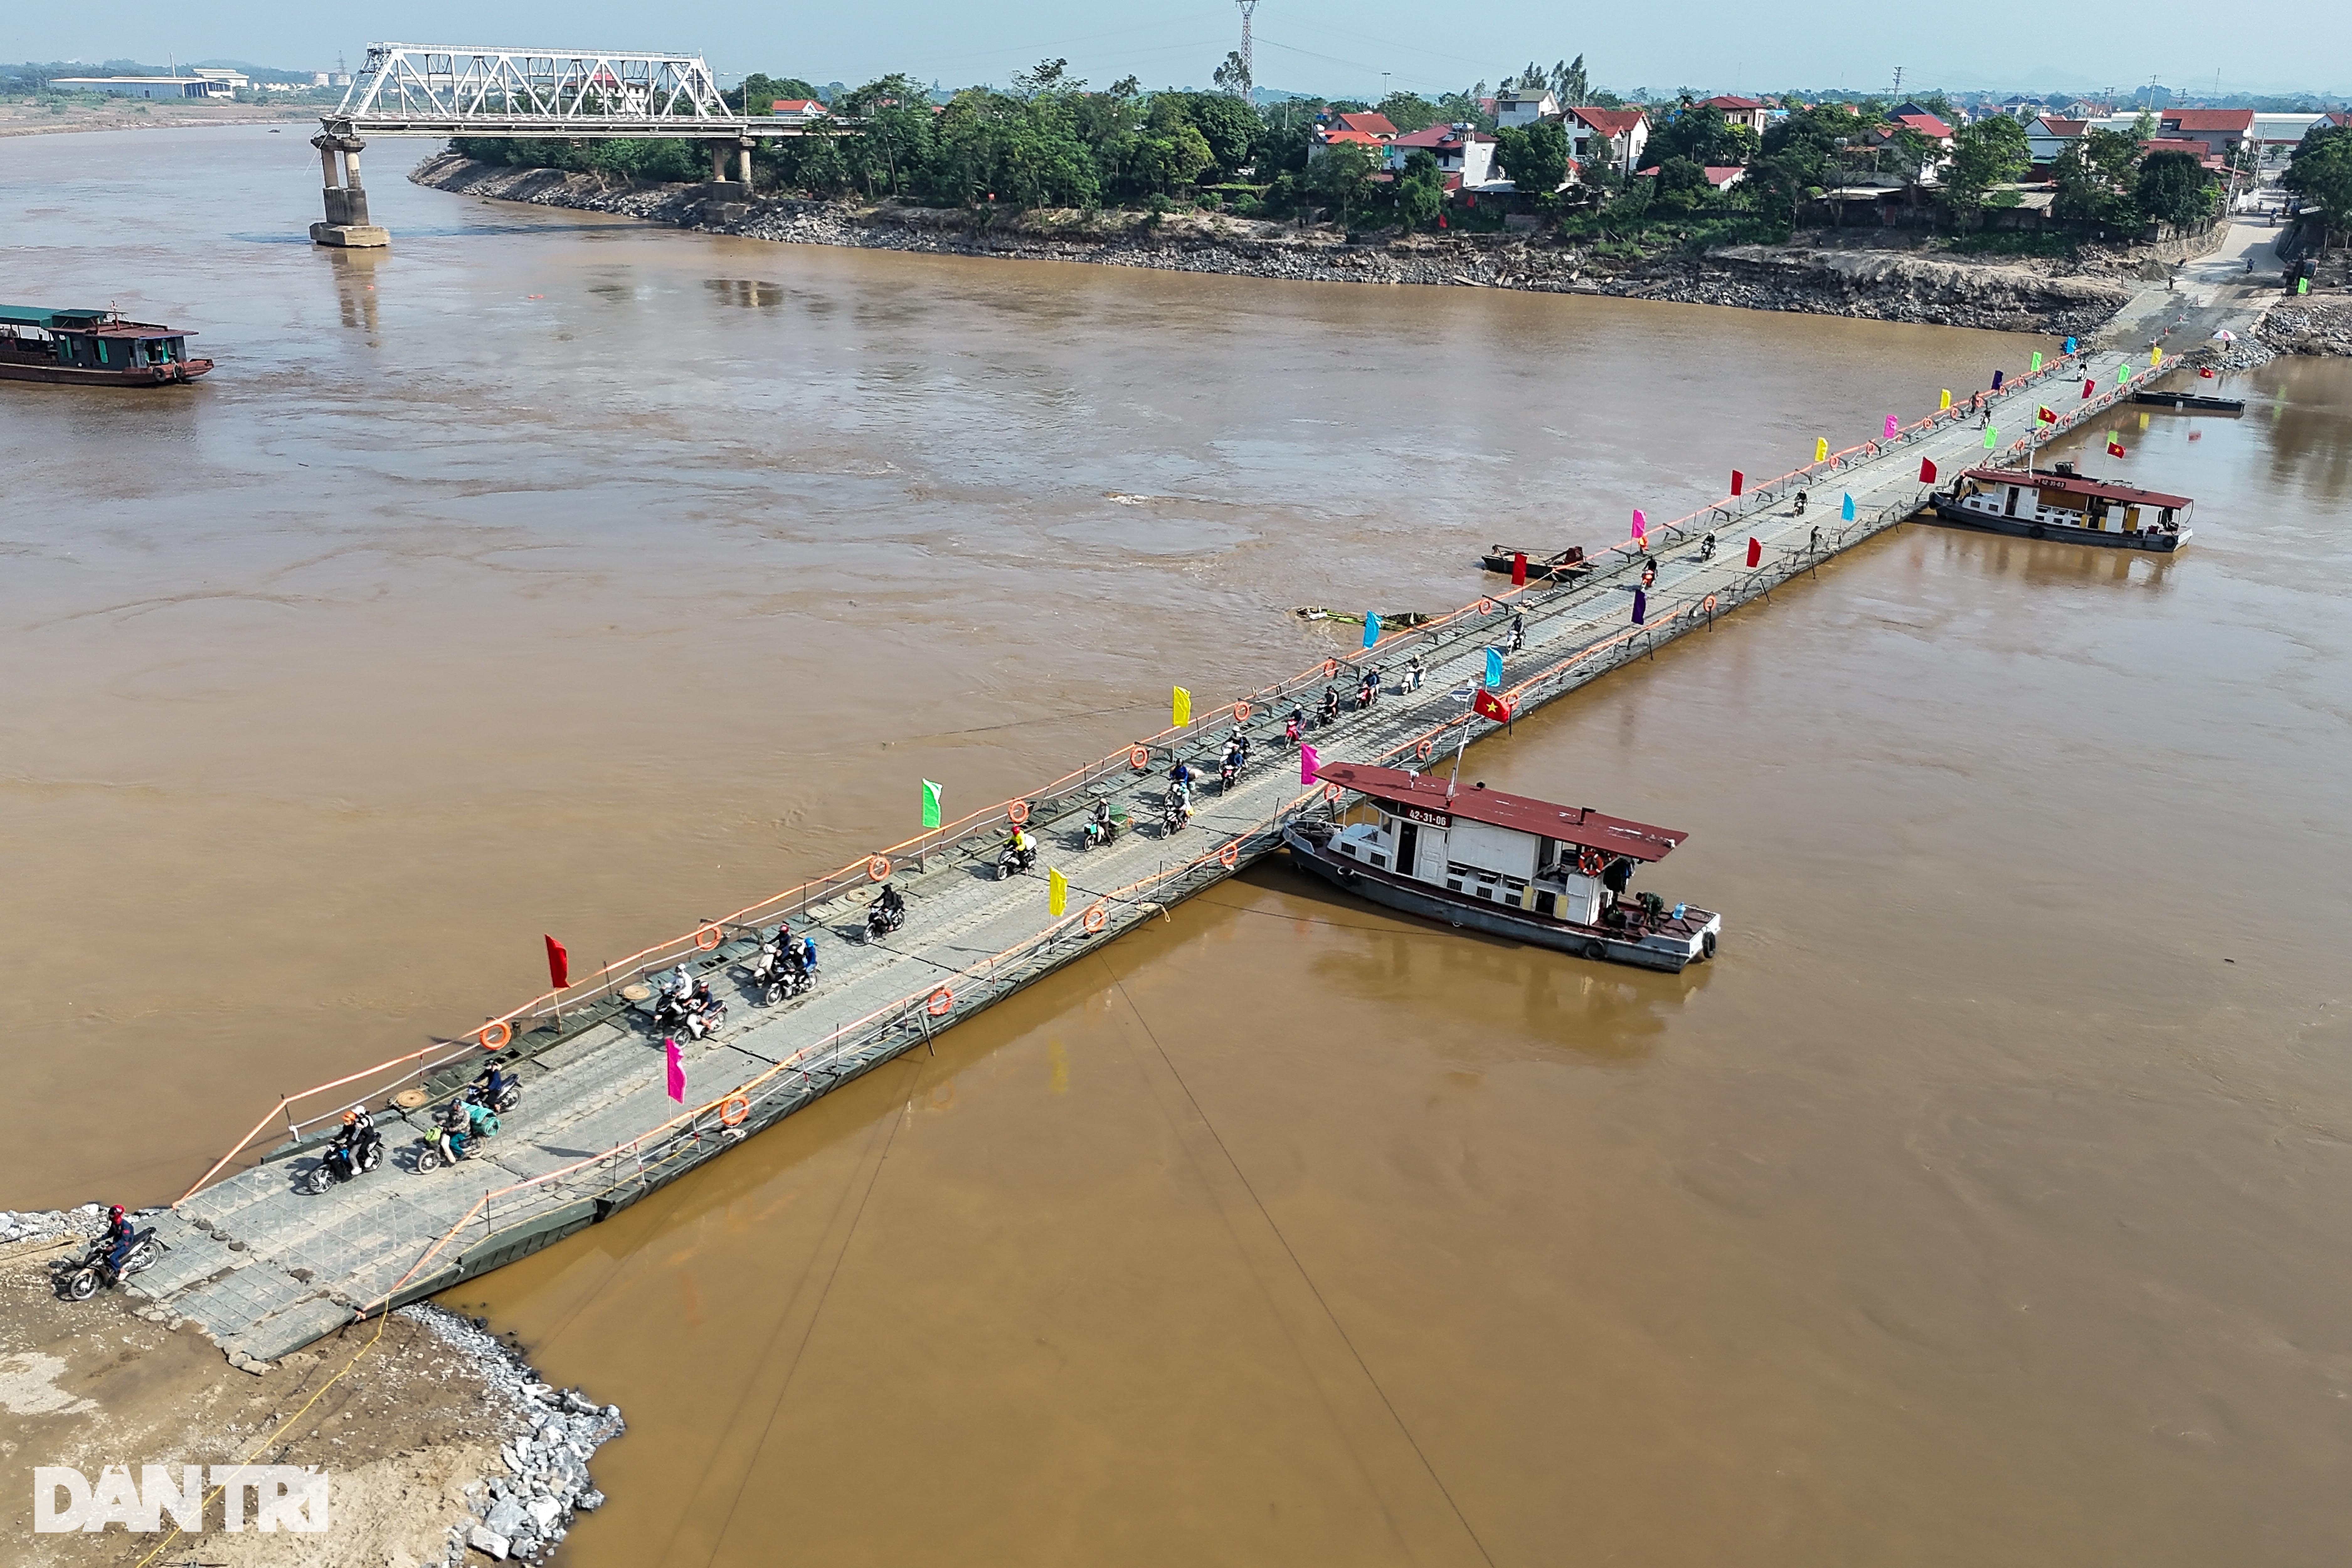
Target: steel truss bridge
point(445, 89)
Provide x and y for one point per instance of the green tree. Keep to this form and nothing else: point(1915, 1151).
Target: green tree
point(1409, 111)
point(1420, 192)
point(2321, 171)
point(1233, 75)
point(1227, 125)
point(1682, 185)
point(1535, 157)
point(1570, 84)
point(2174, 188)
point(1991, 152)
point(1341, 177)
point(760, 91)
point(1700, 135)
point(896, 140)
point(2095, 175)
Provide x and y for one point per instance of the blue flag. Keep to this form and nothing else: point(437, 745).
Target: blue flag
point(1641, 606)
point(2069, 346)
point(1372, 628)
point(1495, 666)
point(1848, 514)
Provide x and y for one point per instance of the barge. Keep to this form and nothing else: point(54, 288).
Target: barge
point(1509, 560)
point(92, 348)
point(1532, 871)
point(2065, 505)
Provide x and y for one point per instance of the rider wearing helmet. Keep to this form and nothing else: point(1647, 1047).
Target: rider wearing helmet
point(118, 1237)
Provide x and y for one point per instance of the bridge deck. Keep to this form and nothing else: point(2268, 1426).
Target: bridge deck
point(268, 1269)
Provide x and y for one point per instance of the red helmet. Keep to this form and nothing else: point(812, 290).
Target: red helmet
point(115, 1213)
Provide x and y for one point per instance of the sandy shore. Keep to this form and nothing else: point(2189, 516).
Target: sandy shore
point(24, 117)
point(432, 1432)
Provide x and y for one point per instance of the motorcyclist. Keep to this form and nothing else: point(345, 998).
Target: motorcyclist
point(490, 1085)
point(1365, 690)
point(1706, 548)
point(1331, 703)
point(1412, 674)
point(119, 1233)
point(1021, 846)
point(454, 1127)
point(888, 904)
point(1292, 726)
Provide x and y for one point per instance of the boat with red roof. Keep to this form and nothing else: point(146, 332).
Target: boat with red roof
point(2065, 505)
point(92, 348)
point(1509, 865)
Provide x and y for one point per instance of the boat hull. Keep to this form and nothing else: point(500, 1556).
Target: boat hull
point(1944, 510)
point(76, 375)
point(1671, 950)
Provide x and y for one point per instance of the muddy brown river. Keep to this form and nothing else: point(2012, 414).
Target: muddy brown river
point(1984, 1202)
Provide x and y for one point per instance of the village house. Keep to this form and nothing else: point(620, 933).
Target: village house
point(1747, 111)
point(2049, 136)
point(1365, 130)
point(1465, 155)
point(1933, 127)
point(2223, 130)
point(1591, 131)
point(797, 111)
point(1519, 106)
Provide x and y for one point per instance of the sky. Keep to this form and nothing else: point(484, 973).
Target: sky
point(1335, 47)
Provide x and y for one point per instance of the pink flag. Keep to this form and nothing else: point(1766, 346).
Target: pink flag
point(1892, 426)
point(1641, 524)
point(1307, 764)
point(677, 1070)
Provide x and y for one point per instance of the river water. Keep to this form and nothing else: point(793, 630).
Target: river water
point(1983, 1201)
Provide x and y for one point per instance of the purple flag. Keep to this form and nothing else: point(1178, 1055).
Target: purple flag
point(1641, 606)
point(1307, 764)
point(677, 1070)
point(1998, 378)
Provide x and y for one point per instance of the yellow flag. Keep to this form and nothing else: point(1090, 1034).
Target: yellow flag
point(1821, 449)
point(2155, 356)
point(1183, 707)
point(1058, 892)
point(1947, 397)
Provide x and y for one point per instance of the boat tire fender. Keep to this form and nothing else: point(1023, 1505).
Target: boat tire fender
point(1707, 944)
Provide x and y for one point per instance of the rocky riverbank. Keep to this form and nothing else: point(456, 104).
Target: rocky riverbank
point(1876, 285)
point(440, 1443)
point(2312, 325)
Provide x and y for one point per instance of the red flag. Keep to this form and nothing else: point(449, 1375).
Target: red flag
point(1518, 568)
point(2045, 416)
point(2115, 449)
point(559, 965)
point(2205, 372)
point(1440, 220)
point(1739, 481)
point(1754, 550)
point(1491, 704)
point(1926, 470)
point(2089, 387)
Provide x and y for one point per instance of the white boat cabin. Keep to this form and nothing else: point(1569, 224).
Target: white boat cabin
point(1559, 861)
point(2061, 497)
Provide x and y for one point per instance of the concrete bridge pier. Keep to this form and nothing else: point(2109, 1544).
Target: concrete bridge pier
point(724, 200)
point(347, 223)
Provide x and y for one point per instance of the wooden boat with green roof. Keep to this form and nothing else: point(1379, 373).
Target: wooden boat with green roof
point(92, 348)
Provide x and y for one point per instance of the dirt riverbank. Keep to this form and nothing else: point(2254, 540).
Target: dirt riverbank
point(437, 1439)
point(35, 117)
point(1817, 279)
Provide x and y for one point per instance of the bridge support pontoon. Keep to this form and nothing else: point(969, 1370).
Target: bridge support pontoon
point(347, 226)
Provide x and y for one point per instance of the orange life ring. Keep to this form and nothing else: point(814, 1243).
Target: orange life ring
point(941, 1000)
point(878, 867)
point(1241, 712)
point(707, 937)
point(1331, 793)
point(1589, 861)
point(1710, 604)
point(1137, 758)
point(1424, 748)
point(1230, 855)
point(733, 1109)
point(494, 1034)
point(1330, 668)
point(1095, 919)
point(1486, 607)
point(1018, 811)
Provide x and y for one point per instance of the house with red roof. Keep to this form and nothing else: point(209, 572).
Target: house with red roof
point(1352, 129)
point(797, 111)
point(1928, 125)
point(1464, 153)
point(1591, 132)
point(2189, 144)
point(1748, 111)
point(2049, 136)
point(2223, 130)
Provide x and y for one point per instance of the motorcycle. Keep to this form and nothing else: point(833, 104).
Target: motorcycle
point(1412, 676)
point(1174, 814)
point(1365, 693)
point(344, 1162)
point(509, 1096)
point(1010, 861)
point(880, 921)
point(781, 974)
point(1290, 727)
point(705, 1021)
point(1226, 774)
point(442, 1147)
point(1100, 830)
point(1330, 708)
point(95, 1272)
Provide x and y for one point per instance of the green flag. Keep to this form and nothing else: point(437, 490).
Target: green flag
point(1181, 708)
point(2123, 373)
point(2303, 285)
point(2037, 359)
point(930, 804)
point(1990, 435)
point(1057, 893)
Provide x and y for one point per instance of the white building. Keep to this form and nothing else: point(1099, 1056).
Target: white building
point(1517, 106)
point(1464, 153)
point(1591, 132)
point(145, 85)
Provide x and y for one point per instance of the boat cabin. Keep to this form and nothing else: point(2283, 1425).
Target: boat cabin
point(1565, 862)
point(2061, 497)
point(87, 339)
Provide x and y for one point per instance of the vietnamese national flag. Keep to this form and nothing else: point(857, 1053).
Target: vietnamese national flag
point(1492, 705)
point(2115, 449)
point(559, 965)
point(2046, 415)
point(1754, 550)
point(1926, 470)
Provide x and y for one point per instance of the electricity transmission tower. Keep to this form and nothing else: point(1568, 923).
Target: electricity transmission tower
point(1249, 64)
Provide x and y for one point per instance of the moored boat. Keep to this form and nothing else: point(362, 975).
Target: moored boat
point(92, 348)
point(2062, 504)
point(1512, 866)
point(1561, 567)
